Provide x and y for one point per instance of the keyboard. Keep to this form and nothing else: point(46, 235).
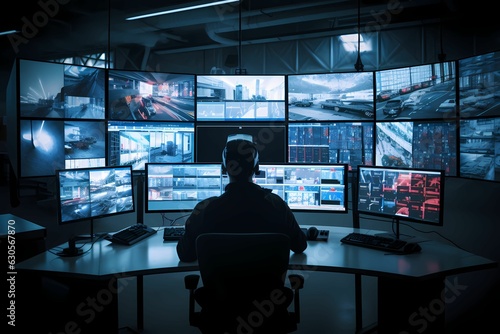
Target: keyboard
point(173, 233)
point(387, 244)
point(132, 234)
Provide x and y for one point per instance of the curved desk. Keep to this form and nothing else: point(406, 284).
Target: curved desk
point(420, 277)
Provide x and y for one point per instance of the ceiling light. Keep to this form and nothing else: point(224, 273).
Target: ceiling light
point(182, 9)
point(8, 32)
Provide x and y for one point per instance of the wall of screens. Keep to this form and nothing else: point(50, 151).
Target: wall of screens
point(435, 116)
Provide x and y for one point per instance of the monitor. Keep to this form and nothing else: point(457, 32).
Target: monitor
point(240, 97)
point(480, 148)
point(137, 142)
point(330, 96)
point(270, 139)
point(54, 90)
point(417, 144)
point(48, 145)
point(479, 84)
point(416, 92)
point(348, 143)
point(410, 194)
point(153, 96)
point(172, 187)
point(89, 193)
point(307, 187)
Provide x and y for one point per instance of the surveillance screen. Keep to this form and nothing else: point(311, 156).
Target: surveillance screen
point(152, 96)
point(480, 148)
point(52, 90)
point(479, 85)
point(417, 92)
point(50, 145)
point(240, 97)
point(95, 192)
point(180, 186)
point(307, 187)
point(333, 142)
point(330, 96)
point(431, 145)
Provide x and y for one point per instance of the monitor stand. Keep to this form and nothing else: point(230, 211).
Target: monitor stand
point(397, 235)
point(84, 238)
point(71, 250)
point(140, 199)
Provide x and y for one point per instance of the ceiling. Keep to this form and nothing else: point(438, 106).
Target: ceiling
point(81, 27)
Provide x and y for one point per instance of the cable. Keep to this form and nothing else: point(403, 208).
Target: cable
point(172, 221)
point(59, 250)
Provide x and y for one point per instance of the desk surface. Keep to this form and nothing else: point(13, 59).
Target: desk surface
point(23, 228)
point(153, 256)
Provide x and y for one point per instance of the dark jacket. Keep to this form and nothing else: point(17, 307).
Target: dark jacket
point(243, 207)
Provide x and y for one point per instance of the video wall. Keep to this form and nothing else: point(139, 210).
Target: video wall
point(443, 116)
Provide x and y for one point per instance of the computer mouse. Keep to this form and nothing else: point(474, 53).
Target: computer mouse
point(412, 247)
point(312, 233)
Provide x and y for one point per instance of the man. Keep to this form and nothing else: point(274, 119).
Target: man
point(244, 206)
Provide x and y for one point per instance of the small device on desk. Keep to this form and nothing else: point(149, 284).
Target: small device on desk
point(173, 233)
point(387, 244)
point(314, 234)
point(132, 234)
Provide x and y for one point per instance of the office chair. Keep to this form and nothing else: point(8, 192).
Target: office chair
point(243, 276)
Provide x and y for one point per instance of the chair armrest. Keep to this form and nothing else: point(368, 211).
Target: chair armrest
point(191, 281)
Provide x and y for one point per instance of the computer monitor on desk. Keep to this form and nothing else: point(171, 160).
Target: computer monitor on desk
point(89, 193)
point(307, 187)
point(177, 187)
point(409, 194)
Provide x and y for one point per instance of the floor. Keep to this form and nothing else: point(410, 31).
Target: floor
point(326, 310)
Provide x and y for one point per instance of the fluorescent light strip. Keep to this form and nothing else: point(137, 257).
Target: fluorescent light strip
point(8, 32)
point(215, 3)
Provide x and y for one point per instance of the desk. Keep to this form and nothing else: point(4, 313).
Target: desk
point(419, 277)
point(29, 237)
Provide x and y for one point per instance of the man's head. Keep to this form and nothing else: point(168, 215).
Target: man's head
point(240, 158)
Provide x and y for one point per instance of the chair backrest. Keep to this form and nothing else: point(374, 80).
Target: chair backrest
point(234, 265)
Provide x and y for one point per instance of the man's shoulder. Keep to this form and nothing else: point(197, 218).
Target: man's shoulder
point(206, 201)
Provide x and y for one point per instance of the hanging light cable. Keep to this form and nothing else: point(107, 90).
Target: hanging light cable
point(359, 65)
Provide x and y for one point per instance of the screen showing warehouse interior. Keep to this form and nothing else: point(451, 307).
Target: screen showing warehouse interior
point(137, 143)
point(307, 187)
point(180, 186)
